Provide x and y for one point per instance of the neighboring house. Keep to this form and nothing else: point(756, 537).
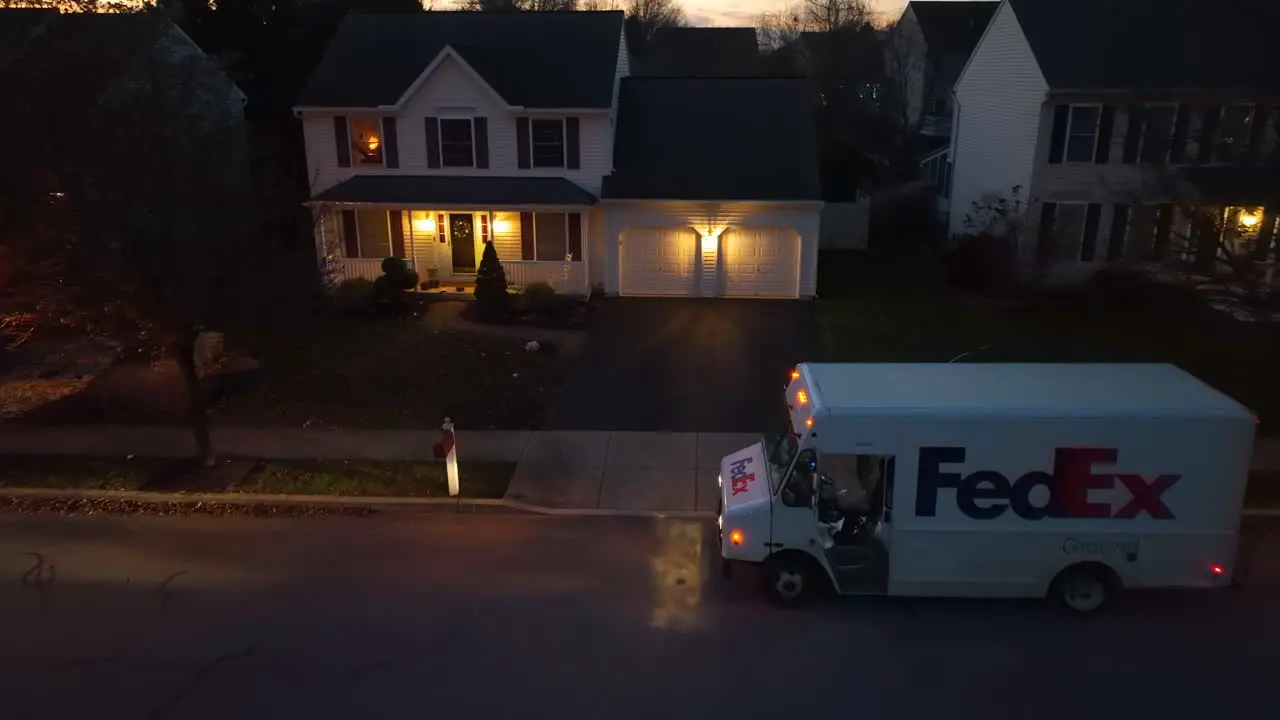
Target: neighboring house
point(928, 48)
point(699, 52)
point(1119, 122)
point(431, 135)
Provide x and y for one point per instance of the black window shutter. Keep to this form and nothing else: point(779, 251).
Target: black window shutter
point(572, 153)
point(1102, 153)
point(350, 234)
point(482, 141)
point(342, 141)
point(1208, 133)
point(527, 251)
point(1089, 244)
point(575, 236)
point(1132, 135)
point(390, 142)
point(522, 143)
point(433, 141)
point(396, 223)
point(1181, 124)
point(1164, 228)
point(1258, 131)
point(1119, 224)
point(1044, 244)
point(1058, 143)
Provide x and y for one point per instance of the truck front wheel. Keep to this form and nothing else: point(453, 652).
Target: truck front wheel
point(787, 578)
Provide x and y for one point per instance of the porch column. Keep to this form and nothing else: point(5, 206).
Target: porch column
point(583, 226)
point(413, 254)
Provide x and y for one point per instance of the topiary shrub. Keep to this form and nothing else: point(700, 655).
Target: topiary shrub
point(353, 296)
point(389, 296)
point(491, 286)
point(538, 298)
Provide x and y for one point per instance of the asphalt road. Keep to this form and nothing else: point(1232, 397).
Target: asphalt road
point(519, 616)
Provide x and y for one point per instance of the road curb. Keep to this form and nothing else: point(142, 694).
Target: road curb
point(608, 512)
point(1262, 512)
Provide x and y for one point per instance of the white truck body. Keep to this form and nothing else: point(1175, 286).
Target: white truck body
point(996, 478)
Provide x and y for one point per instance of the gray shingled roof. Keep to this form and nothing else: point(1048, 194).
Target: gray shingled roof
point(700, 52)
point(532, 59)
point(715, 139)
point(446, 190)
point(953, 28)
point(1153, 45)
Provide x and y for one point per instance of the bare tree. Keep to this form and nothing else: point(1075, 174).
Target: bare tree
point(644, 17)
point(133, 220)
point(600, 5)
point(519, 5)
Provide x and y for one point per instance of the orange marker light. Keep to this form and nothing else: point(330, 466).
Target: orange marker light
point(808, 422)
point(735, 537)
point(802, 397)
point(795, 374)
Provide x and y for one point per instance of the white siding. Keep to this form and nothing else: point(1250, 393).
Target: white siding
point(623, 70)
point(1000, 96)
point(453, 90)
point(803, 218)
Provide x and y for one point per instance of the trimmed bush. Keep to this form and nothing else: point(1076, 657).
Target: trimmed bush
point(353, 296)
point(491, 286)
point(538, 298)
point(390, 291)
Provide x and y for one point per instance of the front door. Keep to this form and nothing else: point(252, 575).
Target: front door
point(462, 236)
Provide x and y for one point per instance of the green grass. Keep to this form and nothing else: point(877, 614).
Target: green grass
point(364, 478)
point(78, 473)
point(393, 374)
point(878, 321)
point(371, 478)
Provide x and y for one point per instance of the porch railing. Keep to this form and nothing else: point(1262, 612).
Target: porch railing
point(524, 272)
point(367, 268)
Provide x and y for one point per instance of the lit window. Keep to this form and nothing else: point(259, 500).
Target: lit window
point(366, 140)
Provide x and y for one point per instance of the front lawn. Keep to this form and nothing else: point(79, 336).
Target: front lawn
point(363, 478)
point(931, 325)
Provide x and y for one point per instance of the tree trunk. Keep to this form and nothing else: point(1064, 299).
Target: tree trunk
point(184, 351)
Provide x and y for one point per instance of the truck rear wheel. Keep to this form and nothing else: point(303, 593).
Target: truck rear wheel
point(1083, 589)
point(787, 578)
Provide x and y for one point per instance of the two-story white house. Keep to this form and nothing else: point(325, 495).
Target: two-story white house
point(430, 135)
point(1124, 126)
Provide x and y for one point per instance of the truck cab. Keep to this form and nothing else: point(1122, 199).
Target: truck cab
point(805, 515)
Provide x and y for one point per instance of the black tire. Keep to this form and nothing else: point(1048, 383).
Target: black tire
point(1083, 589)
point(788, 579)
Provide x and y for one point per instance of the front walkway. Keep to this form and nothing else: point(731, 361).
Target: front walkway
point(640, 471)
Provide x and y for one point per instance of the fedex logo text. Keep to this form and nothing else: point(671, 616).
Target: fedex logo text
point(988, 494)
point(739, 479)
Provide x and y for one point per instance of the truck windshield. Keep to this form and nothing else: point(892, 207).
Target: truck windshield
point(780, 449)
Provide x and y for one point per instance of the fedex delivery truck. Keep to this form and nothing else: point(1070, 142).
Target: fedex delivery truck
point(1065, 481)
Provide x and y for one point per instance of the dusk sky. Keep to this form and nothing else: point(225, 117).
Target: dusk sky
point(747, 12)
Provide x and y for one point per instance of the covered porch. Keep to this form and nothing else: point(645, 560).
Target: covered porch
point(441, 225)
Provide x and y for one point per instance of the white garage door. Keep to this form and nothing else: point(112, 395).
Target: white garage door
point(659, 262)
point(761, 262)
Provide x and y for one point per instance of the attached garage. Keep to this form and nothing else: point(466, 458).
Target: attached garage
point(659, 262)
point(763, 262)
point(713, 209)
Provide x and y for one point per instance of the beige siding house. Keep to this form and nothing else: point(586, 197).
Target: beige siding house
point(1121, 159)
point(501, 129)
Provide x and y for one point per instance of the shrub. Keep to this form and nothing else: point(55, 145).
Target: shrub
point(538, 298)
point(389, 293)
point(982, 263)
point(491, 286)
point(353, 295)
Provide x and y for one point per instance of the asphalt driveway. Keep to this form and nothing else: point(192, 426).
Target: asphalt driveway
point(686, 365)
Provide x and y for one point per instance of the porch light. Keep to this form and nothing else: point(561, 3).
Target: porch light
point(501, 226)
point(1249, 219)
point(424, 225)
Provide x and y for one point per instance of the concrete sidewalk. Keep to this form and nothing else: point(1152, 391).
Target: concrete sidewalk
point(632, 471)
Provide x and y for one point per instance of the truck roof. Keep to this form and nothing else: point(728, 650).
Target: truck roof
point(1059, 389)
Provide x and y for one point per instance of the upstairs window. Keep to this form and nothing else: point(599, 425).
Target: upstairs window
point(457, 142)
point(1082, 133)
point(366, 141)
point(546, 142)
point(1234, 133)
point(1157, 133)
